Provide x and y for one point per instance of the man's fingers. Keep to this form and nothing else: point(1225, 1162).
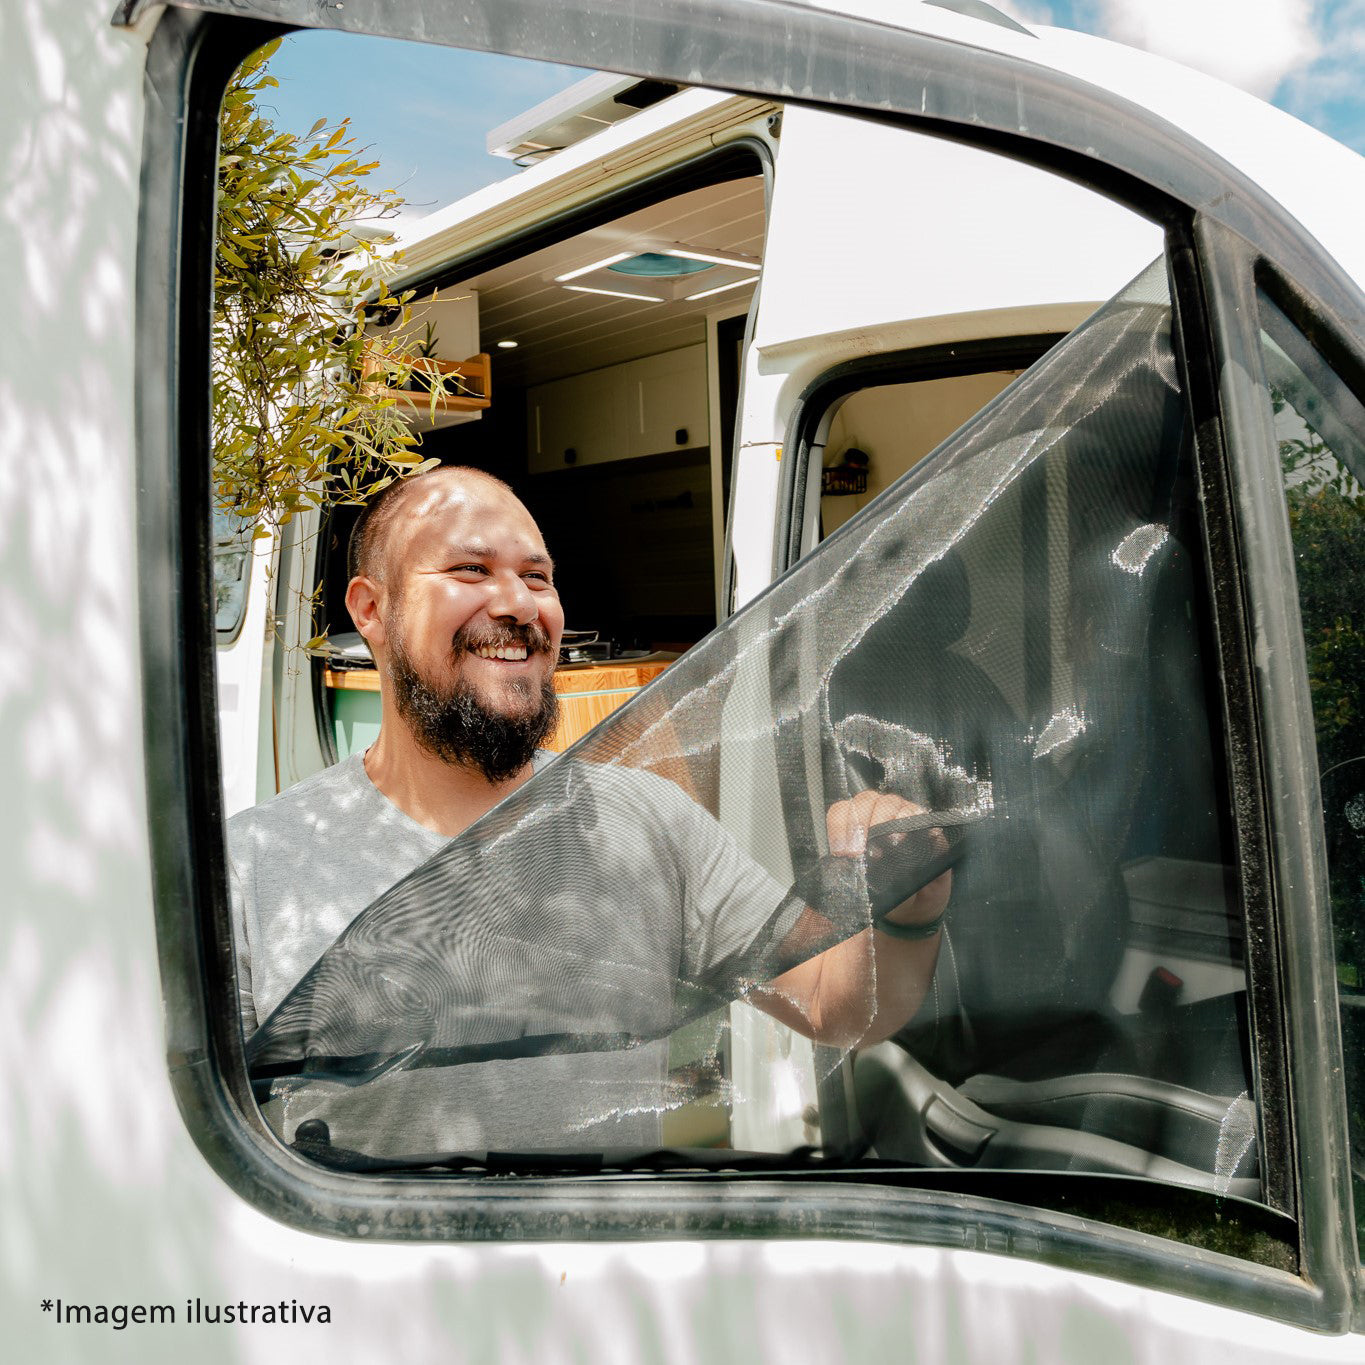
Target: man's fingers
point(848, 823)
point(884, 810)
point(847, 833)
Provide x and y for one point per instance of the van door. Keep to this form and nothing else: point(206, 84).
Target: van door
point(1009, 639)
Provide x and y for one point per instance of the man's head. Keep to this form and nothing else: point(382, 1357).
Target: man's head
point(453, 590)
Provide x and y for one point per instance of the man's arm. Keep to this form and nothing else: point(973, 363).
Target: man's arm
point(864, 989)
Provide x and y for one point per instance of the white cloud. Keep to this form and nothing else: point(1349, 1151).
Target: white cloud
point(1254, 44)
point(1027, 12)
point(1328, 94)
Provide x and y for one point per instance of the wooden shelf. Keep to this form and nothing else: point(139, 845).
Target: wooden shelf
point(475, 373)
point(351, 679)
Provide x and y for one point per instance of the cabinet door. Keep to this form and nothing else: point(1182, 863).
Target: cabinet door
point(670, 401)
point(619, 413)
point(577, 421)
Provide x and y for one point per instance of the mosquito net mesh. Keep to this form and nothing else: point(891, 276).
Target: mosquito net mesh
point(1010, 642)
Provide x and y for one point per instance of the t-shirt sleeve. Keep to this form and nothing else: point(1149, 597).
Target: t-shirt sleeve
point(732, 908)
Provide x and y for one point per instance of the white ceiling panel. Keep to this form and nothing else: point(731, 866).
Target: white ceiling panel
point(560, 332)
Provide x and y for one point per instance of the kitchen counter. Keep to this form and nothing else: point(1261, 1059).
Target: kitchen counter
point(588, 694)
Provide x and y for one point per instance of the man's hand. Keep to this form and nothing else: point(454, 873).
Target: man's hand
point(864, 988)
point(848, 824)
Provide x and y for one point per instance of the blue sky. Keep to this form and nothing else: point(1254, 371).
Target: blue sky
point(1306, 56)
point(424, 111)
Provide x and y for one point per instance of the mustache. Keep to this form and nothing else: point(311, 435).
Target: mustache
point(531, 637)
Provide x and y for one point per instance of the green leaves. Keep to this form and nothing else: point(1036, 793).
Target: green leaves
point(1327, 520)
point(301, 255)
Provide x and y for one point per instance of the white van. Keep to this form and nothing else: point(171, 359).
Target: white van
point(977, 415)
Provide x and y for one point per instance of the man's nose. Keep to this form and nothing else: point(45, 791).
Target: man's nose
point(512, 600)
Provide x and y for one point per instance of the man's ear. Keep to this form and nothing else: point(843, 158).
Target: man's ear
point(364, 602)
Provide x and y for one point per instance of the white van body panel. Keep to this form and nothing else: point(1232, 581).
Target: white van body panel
point(243, 690)
point(1010, 251)
point(1316, 178)
point(106, 1199)
point(873, 225)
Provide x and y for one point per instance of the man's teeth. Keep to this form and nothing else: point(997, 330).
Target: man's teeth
point(506, 652)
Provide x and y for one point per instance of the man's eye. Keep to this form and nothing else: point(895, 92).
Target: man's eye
point(537, 576)
point(467, 568)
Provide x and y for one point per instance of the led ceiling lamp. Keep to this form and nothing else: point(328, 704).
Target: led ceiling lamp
point(603, 264)
point(713, 257)
point(662, 272)
point(613, 293)
point(659, 265)
point(721, 288)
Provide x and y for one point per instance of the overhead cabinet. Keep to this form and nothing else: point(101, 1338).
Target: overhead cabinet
point(643, 407)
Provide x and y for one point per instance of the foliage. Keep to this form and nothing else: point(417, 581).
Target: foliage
point(300, 257)
point(1327, 519)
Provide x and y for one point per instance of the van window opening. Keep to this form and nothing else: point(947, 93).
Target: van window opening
point(769, 737)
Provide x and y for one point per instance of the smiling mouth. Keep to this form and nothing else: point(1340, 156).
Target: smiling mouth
point(506, 653)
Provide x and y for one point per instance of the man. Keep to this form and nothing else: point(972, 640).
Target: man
point(453, 590)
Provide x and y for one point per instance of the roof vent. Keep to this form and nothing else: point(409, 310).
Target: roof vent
point(570, 116)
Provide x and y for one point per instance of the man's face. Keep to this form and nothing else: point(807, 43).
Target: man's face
point(472, 623)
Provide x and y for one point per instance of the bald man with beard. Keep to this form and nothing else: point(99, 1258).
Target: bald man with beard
point(453, 590)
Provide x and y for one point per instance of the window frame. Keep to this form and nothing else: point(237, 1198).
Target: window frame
point(1327, 350)
point(1298, 931)
point(757, 47)
point(1326, 325)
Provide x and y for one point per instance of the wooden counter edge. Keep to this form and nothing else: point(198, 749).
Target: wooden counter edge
point(567, 681)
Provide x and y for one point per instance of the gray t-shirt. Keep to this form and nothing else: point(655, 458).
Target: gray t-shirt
point(302, 866)
point(307, 863)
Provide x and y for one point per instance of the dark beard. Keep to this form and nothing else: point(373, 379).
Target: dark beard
point(454, 724)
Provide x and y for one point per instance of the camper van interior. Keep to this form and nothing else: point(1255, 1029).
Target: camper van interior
point(601, 363)
point(609, 348)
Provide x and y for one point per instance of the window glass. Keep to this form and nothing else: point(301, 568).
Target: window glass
point(231, 570)
point(973, 863)
point(1320, 425)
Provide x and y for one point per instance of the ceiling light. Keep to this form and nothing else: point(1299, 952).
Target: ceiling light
point(712, 257)
point(596, 265)
point(615, 293)
point(660, 265)
point(507, 345)
point(720, 289)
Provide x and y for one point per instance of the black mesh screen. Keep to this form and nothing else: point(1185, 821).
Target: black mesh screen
point(1010, 639)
